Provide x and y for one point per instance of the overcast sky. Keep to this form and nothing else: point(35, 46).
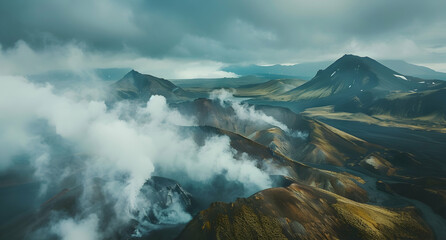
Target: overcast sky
point(194, 38)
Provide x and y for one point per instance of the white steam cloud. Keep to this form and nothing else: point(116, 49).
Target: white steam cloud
point(124, 146)
point(243, 111)
point(248, 113)
point(69, 229)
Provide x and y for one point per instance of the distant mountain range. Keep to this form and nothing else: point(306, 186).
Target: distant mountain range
point(350, 84)
point(307, 70)
point(357, 84)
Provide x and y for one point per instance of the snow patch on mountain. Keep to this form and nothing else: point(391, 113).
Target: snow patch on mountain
point(400, 76)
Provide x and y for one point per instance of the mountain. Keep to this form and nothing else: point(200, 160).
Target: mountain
point(355, 85)
point(325, 183)
point(307, 70)
point(353, 79)
point(339, 183)
point(137, 86)
point(159, 191)
point(302, 212)
point(351, 75)
point(307, 140)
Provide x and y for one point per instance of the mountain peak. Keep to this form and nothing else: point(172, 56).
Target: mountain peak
point(353, 56)
point(347, 55)
point(353, 75)
point(134, 73)
point(140, 81)
point(137, 85)
point(349, 59)
point(357, 64)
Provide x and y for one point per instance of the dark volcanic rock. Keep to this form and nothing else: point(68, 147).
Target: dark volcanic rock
point(303, 212)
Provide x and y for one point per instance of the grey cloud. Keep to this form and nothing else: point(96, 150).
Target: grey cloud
point(229, 31)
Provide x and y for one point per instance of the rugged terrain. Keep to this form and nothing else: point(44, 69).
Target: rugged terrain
point(348, 167)
point(303, 212)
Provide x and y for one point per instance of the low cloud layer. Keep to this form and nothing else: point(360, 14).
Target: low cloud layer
point(203, 34)
point(74, 142)
point(23, 59)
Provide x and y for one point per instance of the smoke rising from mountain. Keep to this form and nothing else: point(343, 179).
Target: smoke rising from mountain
point(246, 112)
point(243, 111)
point(109, 153)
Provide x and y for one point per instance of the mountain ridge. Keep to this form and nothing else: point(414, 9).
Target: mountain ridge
point(135, 85)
